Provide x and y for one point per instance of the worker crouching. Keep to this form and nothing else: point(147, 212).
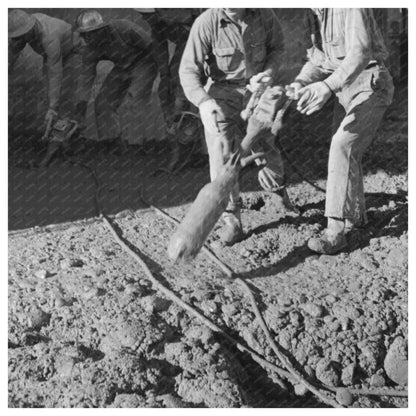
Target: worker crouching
point(233, 47)
point(54, 41)
point(128, 46)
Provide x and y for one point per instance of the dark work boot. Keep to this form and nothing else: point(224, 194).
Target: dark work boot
point(332, 239)
point(328, 243)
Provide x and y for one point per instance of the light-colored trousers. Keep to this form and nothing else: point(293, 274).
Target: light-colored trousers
point(365, 102)
point(232, 100)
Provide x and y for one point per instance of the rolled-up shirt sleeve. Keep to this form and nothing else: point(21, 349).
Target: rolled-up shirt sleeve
point(357, 47)
point(191, 71)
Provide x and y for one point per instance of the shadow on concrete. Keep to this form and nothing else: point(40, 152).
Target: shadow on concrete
point(389, 223)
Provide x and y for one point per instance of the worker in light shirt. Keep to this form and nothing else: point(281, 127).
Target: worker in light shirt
point(235, 48)
point(346, 58)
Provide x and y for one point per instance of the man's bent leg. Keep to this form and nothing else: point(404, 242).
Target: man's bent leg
point(220, 147)
point(345, 191)
point(365, 102)
point(107, 103)
point(345, 181)
point(139, 124)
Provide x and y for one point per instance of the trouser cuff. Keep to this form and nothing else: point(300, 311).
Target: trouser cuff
point(234, 206)
point(280, 187)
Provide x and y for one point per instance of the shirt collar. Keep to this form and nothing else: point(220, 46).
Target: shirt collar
point(225, 19)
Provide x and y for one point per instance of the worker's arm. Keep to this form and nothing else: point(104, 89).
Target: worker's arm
point(87, 77)
point(191, 70)
point(312, 71)
point(310, 87)
point(357, 49)
point(357, 56)
point(54, 72)
point(15, 48)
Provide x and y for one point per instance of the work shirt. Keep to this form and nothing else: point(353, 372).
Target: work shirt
point(219, 48)
point(124, 44)
point(53, 41)
point(344, 43)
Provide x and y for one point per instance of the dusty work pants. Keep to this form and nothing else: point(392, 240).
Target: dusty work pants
point(365, 102)
point(134, 83)
point(232, 100)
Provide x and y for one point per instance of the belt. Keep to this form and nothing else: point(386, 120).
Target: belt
point(233, 82)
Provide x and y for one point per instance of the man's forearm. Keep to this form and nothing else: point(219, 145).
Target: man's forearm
point(191, 83)
point(311, 73)
point(191, 75)
point(358, 48)
point(196, 94)
point(55, 77)
point(348, 71)
point(191, 69)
